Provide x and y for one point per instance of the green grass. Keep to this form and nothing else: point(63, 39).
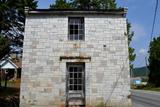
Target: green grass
point(152, 89)
point(9, 97)
point(15, 84)
point(12, 89)
point(5, 92)
point(147, 88)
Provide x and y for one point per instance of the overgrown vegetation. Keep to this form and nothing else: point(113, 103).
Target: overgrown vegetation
point(84, 4)
point(146, 87)
point(154, 62)
point(131, 50)
point(9, 97)
point(4, 46)
point(154, 67)
point(12, 18)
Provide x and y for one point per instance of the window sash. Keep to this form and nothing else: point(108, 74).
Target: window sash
point(76, 28)
point(75, 78)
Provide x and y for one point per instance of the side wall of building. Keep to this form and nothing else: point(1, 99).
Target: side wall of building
point(44, 74)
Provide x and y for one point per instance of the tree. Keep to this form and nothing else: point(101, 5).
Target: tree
point(4, 49)
point(131, 50)
point(81, 4)
point(154, 62)
point(60, 4)
point(5, 19)
point(84, 4)
point(94, 4)
point(4, 46)
point(13, 18)
point(108, 4)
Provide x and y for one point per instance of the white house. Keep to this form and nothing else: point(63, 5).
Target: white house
point(9, 67)
point(75, 58)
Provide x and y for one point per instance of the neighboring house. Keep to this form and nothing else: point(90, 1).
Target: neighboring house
point(136, 81)
point(75, 58)
point(11, 67)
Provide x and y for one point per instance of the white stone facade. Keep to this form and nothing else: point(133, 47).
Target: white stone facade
point(107, 77)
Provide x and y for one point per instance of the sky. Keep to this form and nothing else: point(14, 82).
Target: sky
point(140, 15)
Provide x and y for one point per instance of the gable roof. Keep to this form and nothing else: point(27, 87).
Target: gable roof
point(8, 64)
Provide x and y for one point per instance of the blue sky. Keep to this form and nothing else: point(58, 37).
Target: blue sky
point(140, 14)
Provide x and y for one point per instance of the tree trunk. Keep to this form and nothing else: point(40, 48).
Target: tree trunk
point(0, 30)
point(0, 77)
point(5, 80)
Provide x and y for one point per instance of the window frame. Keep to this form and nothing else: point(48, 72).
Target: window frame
point(74, 72)
point(79, 36)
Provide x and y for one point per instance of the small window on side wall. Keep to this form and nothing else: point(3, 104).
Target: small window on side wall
point(76, 28)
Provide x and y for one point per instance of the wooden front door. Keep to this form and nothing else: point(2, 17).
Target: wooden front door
point(75, 85)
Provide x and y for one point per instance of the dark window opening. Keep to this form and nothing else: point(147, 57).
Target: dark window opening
point(76, 28)
point(75, 78)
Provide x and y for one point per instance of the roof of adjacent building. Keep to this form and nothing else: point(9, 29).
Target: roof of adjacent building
point(10, 63)
point(121, 11)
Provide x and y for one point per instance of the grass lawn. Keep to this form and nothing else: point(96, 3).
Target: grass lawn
point(9, 91)
point(13, 88)
point(152, 89)
point(15, 84)
point(147, 88)
point(9, 96)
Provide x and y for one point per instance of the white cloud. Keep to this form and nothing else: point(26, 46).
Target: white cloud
point(139, 31)
point(142, 51)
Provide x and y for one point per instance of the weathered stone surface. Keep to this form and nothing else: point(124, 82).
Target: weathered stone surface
point(44, 74)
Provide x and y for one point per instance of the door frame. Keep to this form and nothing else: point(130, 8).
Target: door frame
point(74, 64)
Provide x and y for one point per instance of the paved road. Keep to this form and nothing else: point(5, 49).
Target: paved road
point(142, 98)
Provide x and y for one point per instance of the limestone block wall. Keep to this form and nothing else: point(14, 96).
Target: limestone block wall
point(107, 78)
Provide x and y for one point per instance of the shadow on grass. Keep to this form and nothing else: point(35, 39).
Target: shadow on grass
point(9, 97)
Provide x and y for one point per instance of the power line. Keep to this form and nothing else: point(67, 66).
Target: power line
point(154, 20)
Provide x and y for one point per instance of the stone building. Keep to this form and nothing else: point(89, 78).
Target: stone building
point(75, 58)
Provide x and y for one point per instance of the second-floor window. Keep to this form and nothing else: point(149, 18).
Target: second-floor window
point(76, 28)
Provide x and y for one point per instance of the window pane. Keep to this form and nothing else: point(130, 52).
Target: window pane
point(70, 69)
point(81, 37)
point(75, 75)
point(75, 69)
point(71, 87)
point(75, 81)
point(71, 32)
point(76, 37)
point(79, 87)
point(71, 27)
point(76, 27)
point(80, 31)
point(79, 81)
point(81, 26)
point(79, 69)
point(75, 87)
point(76, 31)
point(71, 81)
point(71, 75)
point(79, 75)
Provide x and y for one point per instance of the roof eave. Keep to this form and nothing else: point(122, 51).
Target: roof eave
point(122, 11)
